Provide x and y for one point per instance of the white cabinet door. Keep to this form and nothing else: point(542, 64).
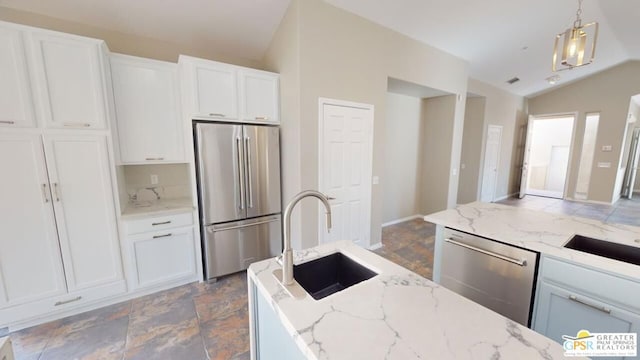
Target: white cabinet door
point(84, 207)
point(70, 79)
point(16, 103)
point(260, 96)
point(162, 256)
point(30, 263)
point(564, 312)
point(147, 101)
point(215, 90)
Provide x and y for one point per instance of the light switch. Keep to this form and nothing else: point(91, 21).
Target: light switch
point(454, 171)
point(604, 164)
point(376, 180)
point(606, 147)
point(154, 179)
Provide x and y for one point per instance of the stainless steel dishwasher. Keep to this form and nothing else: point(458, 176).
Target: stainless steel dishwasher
point(498, 276)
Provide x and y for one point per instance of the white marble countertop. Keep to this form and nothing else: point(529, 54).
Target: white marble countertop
point(542, 232)
point(158, 207)
point(394, 315)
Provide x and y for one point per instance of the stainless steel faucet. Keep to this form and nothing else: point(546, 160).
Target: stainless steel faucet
point(287, 252)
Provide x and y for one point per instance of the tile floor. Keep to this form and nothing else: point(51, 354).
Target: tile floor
point(624, 211)
point(190, 322)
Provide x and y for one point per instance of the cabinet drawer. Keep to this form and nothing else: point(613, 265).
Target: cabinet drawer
point(162, 257)
point(599, 284)
point(157, 223)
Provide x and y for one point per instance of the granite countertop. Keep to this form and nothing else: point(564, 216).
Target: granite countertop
point(542, 232)
point(158, 207)
point(394, 315)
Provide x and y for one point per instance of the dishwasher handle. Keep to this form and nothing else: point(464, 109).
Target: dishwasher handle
point(519, 262)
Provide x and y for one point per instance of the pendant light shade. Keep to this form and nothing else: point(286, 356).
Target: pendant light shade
point(575, 46)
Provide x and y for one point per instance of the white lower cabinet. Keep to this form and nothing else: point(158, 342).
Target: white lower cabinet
point(571, 298)
point(59, 245)
point(161, 256)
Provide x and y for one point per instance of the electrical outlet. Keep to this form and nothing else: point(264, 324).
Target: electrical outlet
point(606, 147)
point(604, 164)
point(154, 179)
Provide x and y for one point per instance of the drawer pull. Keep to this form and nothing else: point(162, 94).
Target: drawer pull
point(58, 303)
point(7, 122)
point(490, 253)
point(599, 308)
point(161, 236)
point(217, 114)
point(77, 125)
point(154, 158)
point(161, 223)
point(262, 118)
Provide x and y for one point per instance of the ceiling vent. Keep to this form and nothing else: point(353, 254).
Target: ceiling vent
point(513, 80)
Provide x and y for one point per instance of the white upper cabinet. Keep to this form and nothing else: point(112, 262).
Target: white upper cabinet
point(218, 91)
point(30, 263)
point(214, 90)
point(82, 196)
point(147, 110)
point(16, 103)
point(69, 73)
point(260, 96)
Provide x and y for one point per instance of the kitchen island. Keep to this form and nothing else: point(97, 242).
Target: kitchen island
point(539, 231)
point(394, 315)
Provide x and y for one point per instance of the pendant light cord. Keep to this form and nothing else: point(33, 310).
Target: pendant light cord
point(578, 22)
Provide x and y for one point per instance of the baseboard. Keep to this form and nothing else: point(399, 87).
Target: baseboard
point(505, 197)
point(589, 201)
point(398, 221)
point(375, 246)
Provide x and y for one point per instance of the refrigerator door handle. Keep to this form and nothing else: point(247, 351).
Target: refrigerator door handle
point(240, 172)
point(247, 151)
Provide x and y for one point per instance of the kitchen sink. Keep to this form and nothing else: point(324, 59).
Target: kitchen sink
point(330, 274)
point(628, 254)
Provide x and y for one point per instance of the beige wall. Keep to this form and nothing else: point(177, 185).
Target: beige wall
point(343, 56)
point(439, 114)
point(283, 57)
point(507, 110)
point(403, 141)
point(608, 93)
point(469, 184)
point(125, 43)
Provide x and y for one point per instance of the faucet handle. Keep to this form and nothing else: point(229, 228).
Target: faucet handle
point(330, 197)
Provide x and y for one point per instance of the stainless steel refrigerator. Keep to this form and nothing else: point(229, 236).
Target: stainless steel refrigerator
point(238, 171)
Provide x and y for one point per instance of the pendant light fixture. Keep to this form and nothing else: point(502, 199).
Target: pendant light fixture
point(578, 44)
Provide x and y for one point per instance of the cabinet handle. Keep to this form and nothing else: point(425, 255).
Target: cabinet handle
point(599, 308)
point(55, 192)
point(154, 158)
point(77, 125)
point(161, 223)
point(58, 303)
point(44, 193)
point(7, 122)
point(217, 114)
point(161, 236)
point(262, 118)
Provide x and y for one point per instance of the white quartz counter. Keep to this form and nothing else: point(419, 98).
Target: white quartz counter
point(394, 315)
point(542, 232)
point(158, 207)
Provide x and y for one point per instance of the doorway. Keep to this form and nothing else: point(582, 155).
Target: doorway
point(547, 153)
point(491, 163)
point(345, 141)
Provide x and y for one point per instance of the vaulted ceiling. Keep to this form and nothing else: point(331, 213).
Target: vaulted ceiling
point(500, 39)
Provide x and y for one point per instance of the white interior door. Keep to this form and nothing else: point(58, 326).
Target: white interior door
point(491, 162)
point(346, 138)
point(632, 166)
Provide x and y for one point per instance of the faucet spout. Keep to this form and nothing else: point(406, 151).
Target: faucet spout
point(287, 251)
